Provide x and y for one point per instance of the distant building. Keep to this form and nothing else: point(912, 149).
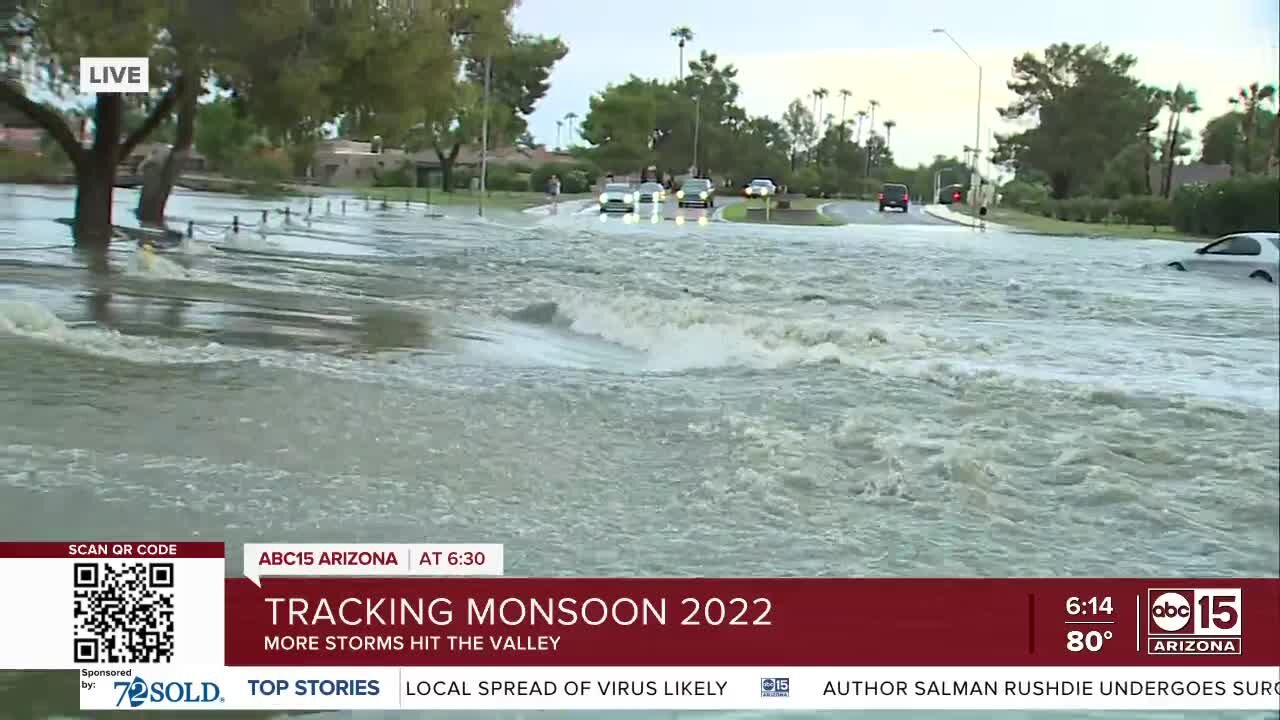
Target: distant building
point(352, 162)
point(1190, 173)
point(195, 161)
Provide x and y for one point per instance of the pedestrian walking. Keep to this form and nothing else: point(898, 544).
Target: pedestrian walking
point(553, 194)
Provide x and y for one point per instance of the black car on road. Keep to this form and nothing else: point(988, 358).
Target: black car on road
point(895, 196)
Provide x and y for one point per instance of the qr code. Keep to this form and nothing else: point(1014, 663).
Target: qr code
point(123, 612)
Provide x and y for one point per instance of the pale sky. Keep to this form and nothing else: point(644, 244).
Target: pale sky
point(885, 51)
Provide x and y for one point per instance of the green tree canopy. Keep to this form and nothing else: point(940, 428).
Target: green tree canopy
point(1086, 108)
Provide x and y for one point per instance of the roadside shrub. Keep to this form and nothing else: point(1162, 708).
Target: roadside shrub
point(261, 166)
point(503, 177)
point(806, 181)
point(399, 177)
point(1023, 195)
point(575, 181)
point(577, 177)
point(29, 167)
point(461, 178)
point(1234, 205)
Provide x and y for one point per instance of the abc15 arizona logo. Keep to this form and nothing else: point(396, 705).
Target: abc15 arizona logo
point(1194, 621)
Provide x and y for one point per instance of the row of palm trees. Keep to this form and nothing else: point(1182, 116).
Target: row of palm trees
point(1182, 101)
point(820, 94)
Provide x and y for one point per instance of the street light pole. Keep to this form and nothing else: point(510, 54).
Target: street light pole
point(697, 123)
point(977, 130)
point(484, 130)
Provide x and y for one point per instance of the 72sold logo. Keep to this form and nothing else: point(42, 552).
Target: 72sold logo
point(1193, 621)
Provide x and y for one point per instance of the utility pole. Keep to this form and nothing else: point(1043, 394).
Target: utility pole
point(977, 129)
point(697, 122)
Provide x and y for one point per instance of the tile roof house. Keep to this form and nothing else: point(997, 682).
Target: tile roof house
point(1190, 173)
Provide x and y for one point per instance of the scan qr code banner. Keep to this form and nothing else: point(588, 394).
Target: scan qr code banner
point(766, 688)
point(94, 604)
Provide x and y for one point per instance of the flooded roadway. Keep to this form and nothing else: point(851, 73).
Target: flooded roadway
point(611, 397)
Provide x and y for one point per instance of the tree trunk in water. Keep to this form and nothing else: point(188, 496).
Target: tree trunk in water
point(95, 184)
point(158, 182)
point(96, 174)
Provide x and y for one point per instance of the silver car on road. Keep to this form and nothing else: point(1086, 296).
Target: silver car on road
point(618, 197)
point(1250, 254)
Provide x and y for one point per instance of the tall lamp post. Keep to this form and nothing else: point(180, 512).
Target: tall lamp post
point(697, 123)
point(977, 130)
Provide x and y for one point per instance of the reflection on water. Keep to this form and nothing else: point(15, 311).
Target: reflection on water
point(632, 395)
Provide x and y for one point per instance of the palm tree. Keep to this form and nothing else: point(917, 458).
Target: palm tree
point(1249, 100)
point(822, 95)
point(1179, 101)
point(559, 124)
point(569, 118)
point(874, 104)
point(888, 132)
point(844, 99)
point(814, 94)
point(862, 115)
point(682, 35)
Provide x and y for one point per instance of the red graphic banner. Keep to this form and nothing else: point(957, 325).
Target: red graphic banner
point(752, 622)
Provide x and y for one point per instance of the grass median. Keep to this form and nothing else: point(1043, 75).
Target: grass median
point(1040, 225)
point(803, 211)
point(510, 199)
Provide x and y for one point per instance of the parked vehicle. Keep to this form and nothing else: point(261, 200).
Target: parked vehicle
point(1251, 254)
point(895, 195)
point(617, 197)
point(696, 192)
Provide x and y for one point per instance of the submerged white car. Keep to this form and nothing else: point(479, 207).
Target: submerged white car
point(1251, 254)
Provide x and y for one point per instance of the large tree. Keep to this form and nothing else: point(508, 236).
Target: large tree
point(519, 68)
point(713, 90)
point(196, 32)
point(799, 124)
point(1086, 108)
point(57, 34)
point(623, 124)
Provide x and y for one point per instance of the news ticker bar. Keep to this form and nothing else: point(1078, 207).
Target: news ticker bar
point(171, 604)
point(685, 688)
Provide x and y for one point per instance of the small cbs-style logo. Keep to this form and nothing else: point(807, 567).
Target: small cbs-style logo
point(775, 687)
point(1193, 621)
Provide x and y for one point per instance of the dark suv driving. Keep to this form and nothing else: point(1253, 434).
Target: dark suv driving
point(896, 196)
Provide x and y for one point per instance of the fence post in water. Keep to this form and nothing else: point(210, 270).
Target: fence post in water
point(309, 201)
point(191, 228)
point(344, 207)
point(235, 224)
point(286, 213)
point(328, 207)
point(366, 202)
point(264, 217)
point(406, 201)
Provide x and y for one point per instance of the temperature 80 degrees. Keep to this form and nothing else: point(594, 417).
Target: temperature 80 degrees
point(1087, 640)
